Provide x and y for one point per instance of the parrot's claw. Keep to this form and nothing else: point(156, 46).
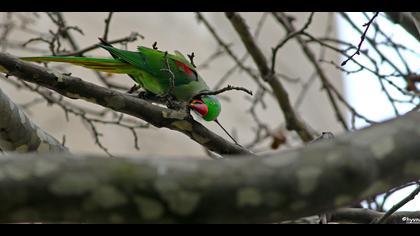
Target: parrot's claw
point(134, 88)
point(170, 102)
point(174, 104)
point(147, 95)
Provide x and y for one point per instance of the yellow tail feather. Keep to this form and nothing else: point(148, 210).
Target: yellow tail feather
point(98, 64)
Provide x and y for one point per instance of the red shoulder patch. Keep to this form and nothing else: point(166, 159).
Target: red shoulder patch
point(184, 67)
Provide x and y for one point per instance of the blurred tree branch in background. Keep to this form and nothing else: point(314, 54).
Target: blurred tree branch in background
point(274, 188)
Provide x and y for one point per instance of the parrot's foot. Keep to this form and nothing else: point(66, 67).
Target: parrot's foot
point(174, 104)
point(170, 102)
point(179, 106)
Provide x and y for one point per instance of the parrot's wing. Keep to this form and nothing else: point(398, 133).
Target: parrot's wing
point(133, 58)
point(179, 58)
point(151, 61)
point(98, 64)
point(178, 55)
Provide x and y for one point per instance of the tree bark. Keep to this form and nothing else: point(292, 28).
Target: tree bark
point(319, 177)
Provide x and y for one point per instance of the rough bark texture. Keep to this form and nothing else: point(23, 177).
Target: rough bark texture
point(319, 177)
point(76, 88)
point(18, 133)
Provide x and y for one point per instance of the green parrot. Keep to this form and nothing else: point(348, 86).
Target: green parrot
point(157, 72)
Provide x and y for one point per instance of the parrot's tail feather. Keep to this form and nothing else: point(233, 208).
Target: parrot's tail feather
point(98, 64)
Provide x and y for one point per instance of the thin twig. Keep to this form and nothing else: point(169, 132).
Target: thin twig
point(283, 20)
point(286, 39)
point(390, 192)
point(131, 38)
point(362, 38)
point(191, 57)
point(227, 88)
point(227, 48)
point(107, 23)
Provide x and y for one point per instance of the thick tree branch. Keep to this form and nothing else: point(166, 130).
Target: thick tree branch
point(319, 177)
point(291, 118)
point(18, 132)
point(76, 88)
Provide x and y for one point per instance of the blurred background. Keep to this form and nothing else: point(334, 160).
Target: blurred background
point(374, 98)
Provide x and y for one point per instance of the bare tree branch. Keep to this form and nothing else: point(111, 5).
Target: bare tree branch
point(107, 23)
point(225, 89)
point(289, 36)
point(292, 121)
point(238, 61)
point(380, 207)
point(131, 38)
point(283, 20)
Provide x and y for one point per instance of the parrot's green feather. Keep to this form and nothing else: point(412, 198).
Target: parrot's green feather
point(214, 107)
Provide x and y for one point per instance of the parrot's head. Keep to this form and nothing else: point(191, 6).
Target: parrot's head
point(207, 106)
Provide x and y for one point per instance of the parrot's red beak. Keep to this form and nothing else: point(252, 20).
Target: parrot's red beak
point(199, 107)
